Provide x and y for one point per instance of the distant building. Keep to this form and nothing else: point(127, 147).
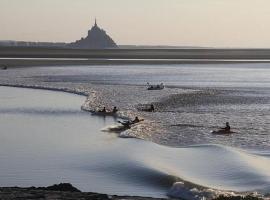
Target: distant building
point(96, 39)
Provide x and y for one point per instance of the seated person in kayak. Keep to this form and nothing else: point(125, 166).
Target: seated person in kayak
point(114, 109)
point(148, 109)
point(128, 123)
point(103, 110)
point(136, 120)
point(227, 127)
point(152, 108)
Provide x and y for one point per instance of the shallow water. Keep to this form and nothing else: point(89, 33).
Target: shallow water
point(247, 75)
point(242, 97)
point(45, 138)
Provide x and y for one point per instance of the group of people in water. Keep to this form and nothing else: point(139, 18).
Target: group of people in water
point(128, 123)
point(155, 87)
point(114, 110)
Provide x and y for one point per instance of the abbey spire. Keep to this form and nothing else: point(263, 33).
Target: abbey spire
point(95, 22)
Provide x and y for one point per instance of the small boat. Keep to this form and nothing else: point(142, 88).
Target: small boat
point(146, 107)
point(222, 132)
point(104, 113)
point(128, 123)
point(155, 87)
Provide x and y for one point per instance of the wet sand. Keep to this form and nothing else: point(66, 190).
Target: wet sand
point(11, 63)
point(185, 53)
point(59, 56)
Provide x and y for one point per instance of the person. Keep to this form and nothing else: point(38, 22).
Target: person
point(152, 108)
point(136, 120)
point(227, 127)
point(103, 110)
point(114, 109)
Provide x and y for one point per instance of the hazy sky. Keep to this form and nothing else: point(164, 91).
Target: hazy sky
point(223, 23)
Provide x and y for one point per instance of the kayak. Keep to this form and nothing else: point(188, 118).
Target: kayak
point(104, 113)
point(222, 132)
point(128, 123)
point(155, 87)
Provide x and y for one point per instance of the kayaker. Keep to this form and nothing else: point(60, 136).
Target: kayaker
point(227, 127)
point(103, 110)
point(114, 109)
point(136, 120)
point(152, 108)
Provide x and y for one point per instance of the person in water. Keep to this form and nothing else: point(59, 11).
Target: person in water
point(152, 108)
point(103, 110)
point(227, 127)
point(136, 120)
point(114, 109)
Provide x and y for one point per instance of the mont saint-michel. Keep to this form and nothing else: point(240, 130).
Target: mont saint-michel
point(97, 38)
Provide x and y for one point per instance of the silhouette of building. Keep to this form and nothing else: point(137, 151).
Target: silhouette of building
point(97, 38)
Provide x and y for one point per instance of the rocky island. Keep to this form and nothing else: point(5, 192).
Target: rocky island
point(97, 38)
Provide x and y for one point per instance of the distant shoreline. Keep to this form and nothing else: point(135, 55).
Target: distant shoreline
point(33, 63)
point(36, 56)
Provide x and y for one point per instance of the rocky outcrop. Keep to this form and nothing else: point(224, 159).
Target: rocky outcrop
point(58, 192)
point(67, 191)
point(64, 187)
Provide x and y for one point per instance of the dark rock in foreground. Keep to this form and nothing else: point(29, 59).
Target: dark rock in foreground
point(67, 191)
point(63, 187)
point(55, 192)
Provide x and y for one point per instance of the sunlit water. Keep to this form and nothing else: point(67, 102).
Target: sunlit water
point(243, 99)
point(45, 138)
point(253, 75)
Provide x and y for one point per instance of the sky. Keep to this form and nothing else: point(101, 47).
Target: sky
point(208, 23)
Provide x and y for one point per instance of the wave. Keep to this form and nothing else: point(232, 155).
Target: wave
point(191, 172)
point(140, 164)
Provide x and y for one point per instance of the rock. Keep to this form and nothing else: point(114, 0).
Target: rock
point(64, 187)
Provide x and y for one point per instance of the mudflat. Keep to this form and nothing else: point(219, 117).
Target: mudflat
point(59, 56)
